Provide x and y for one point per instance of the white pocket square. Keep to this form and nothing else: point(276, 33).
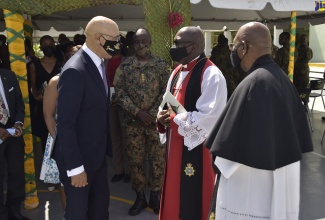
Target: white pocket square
point(12, 88)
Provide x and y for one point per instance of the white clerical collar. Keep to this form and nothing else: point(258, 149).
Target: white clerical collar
point(185, 65)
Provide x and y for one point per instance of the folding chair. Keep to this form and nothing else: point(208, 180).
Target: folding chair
point(317, 84)
point(304, 96)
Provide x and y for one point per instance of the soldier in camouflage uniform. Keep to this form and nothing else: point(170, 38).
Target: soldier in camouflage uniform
point(140, 84)
point(282, 55)
point(274, 49)
point(301, 70)
point(221, 58)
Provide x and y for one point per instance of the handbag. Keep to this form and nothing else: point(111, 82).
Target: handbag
point(49, 171)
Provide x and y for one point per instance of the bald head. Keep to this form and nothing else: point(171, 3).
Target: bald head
point(101, 24)
point(98, 30)
point(193, 38)
point(252, 41)
point(257, 35)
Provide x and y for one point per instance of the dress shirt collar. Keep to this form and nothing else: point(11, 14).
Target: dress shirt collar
point(188, 66)
point(96, 59)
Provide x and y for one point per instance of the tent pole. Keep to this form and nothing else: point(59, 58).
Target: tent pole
point(15, 35)
point(292, 45)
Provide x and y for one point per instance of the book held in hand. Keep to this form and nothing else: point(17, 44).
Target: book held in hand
point(176, 106)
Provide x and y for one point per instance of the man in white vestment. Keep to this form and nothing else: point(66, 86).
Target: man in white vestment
point(259, 137)
point(199, 86)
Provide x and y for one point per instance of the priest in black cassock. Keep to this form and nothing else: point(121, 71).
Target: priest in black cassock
point(260, 136)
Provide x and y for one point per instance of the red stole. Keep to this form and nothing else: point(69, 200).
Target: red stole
point(170, 199)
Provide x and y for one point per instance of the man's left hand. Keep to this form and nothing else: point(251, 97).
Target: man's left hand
point(19, 129)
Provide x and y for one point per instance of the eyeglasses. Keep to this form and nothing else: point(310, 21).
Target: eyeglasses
point(117, 38)
point(179, 43)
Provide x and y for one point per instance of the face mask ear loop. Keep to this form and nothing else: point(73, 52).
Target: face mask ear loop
point(245, 47)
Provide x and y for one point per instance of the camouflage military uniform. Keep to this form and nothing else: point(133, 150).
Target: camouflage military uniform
point(282, 58)
point(221, 58)
point(142, 87)
point(301, 69)
point(274, 50)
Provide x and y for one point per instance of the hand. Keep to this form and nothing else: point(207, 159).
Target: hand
point(19, 129)
point(79, 180)
point(170, 109)
point(145, 117)
point(163, 118)
point(114, 102)
point(4, 134)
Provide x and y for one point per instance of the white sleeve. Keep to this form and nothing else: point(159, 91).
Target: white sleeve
point(75, 171)
point(195, 126)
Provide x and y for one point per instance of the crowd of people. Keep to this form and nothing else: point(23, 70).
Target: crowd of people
point(101, 95)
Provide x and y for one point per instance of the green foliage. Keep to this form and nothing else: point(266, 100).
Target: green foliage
point(156, 18)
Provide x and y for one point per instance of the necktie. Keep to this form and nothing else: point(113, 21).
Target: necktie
point(3, 112)
point(104, 77)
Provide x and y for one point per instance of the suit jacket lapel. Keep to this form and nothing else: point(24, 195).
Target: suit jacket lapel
point(93, 72)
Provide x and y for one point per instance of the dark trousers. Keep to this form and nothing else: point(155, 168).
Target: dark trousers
point(90, 202)
point(12, 151)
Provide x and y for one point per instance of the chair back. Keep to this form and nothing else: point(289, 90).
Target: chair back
point(317, 84)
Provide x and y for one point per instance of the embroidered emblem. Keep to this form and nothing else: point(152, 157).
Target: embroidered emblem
point(142, 77)
point(117, 46)
point(189, 170)
point(108, 48)
point(212, 217)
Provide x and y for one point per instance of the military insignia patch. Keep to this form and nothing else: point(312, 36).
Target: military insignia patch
point(189, 170)
point(117, 46)
point(142, 77)
point(212, 217)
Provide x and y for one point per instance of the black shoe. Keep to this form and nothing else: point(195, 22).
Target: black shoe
point(154, 201)
point(18, 217)
point(139, 204)
point(117, 177)
point(127, 178)
point(323, 118)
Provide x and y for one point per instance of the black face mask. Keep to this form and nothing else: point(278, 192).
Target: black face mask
point(112, 47)
point(178, 53)
point(236, 61)
point(48, 50)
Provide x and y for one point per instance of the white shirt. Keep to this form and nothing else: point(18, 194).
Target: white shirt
point(3, 95)
point(195, 126)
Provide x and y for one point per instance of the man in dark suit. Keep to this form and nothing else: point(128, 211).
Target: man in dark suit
point(83, 135)
point(12, 145)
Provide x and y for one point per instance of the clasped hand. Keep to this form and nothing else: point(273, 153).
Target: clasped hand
point(145, 117)
point(163, 116)
point(4, 134)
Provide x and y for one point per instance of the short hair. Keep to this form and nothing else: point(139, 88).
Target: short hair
point(142, 28)
point(45, 37)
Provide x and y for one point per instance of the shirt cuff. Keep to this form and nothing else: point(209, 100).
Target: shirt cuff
point(19, 122)
point(75, 171)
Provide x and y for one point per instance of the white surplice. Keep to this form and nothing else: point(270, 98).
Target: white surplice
point(195, 126)
point(247, 193)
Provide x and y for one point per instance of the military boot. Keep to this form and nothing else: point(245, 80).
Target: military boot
point(139, 204)
point(154, 201)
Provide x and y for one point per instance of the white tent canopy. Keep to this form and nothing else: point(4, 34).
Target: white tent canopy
point(278, 5)
point(226, 13)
